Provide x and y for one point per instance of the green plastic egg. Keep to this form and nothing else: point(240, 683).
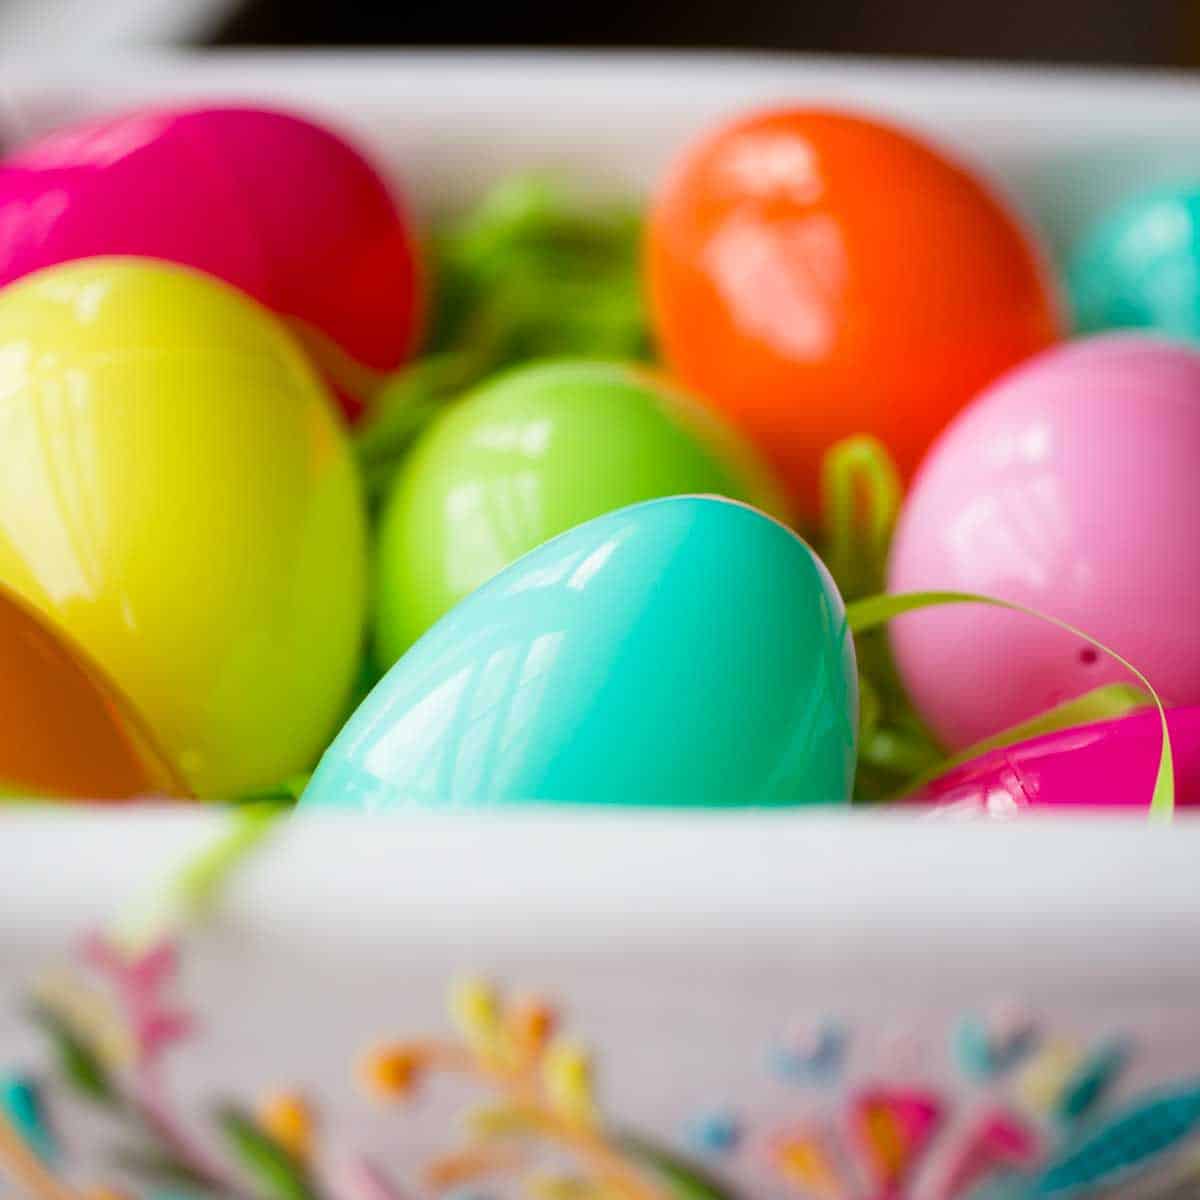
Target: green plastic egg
point(528, 455)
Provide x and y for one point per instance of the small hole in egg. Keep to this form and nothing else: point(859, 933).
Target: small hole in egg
point(1089, 656)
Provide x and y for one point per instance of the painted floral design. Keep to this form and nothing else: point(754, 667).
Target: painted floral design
point(1048, 1131)
point(1038, 1124)
point(538, 1124)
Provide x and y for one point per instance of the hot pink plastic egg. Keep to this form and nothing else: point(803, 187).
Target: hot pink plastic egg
point(1071, 486)
point(272, 203)
point(1110, 764)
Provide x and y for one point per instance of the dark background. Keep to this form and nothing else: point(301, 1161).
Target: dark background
point(1149, 32)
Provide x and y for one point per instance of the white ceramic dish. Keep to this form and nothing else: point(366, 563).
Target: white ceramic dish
point(683, 946)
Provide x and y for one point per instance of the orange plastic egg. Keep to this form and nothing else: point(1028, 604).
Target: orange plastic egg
point(65, 731)
point(817, 274)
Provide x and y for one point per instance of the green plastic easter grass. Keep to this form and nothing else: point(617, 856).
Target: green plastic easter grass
point(861, 498)
point(533, 271)
point(875, 611)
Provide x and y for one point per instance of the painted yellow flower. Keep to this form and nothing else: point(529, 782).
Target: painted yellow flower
point(567, 1076)
point(475, 1010)
point(288, 1118)
point(530, 1022)
point(391, 1072)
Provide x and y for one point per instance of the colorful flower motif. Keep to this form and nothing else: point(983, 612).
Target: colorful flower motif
point(1045, 1077)
point(21, 1103)
point(892, 1129)
point(539, 1126)
point(392, 1072)
point(1156, 1125)
point(289, 1119)
point(138, 981)
point(807, 1158)
point(997, 1143)
point(545, 1096)
point(813, 1055)
point(718, 1132)
point(987, 1048)
point(880, 1142)
point(1091, 1079)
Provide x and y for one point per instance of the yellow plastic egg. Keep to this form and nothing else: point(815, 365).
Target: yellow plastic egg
point(176, 495)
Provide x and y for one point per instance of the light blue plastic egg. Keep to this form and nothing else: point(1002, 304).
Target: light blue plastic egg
point(681, 652)
point(1138, 267)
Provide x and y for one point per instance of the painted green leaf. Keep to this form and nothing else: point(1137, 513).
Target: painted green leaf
point(80, 1064)
point(159, 1169)
point(684, 1180)
point(278, 1175)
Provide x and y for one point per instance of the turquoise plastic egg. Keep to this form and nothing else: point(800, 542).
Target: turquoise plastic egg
point(1138, 267)
point(689, 651)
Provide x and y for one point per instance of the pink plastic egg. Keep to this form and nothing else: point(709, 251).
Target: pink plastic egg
point(281, 208)
point(1110, 764)
point(1071, 486)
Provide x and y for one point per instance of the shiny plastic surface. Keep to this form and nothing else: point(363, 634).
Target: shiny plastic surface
point(1071, 487)
point(278, 206)
point(177, 496)
point(65, 730)
point(532, 454)
point(817, 274)
point(1139, 266)
point(1107, 765)
point(688, 652)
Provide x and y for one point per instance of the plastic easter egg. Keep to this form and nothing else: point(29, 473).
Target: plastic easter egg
point(689, 651)
point(65, 730)
point(817, 274)
point(1110, 764)
point(527, 456)
point(1068, 487)
point(177, 496)
point(1139, 266)
point(274, 204)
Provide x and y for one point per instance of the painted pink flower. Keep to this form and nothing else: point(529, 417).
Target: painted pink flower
point(138, 981)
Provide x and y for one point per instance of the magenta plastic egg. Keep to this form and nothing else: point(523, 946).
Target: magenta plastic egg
point(1109, 764)
point(1071, 486)
point(272, 203)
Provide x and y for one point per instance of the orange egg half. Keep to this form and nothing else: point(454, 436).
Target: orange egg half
point(816, 274)
point(65, 731)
